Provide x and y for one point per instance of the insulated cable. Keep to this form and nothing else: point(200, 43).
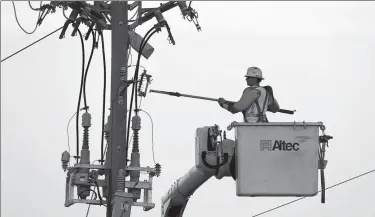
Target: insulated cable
point(63, 10)
point(15, 15)
point(135, 79)
point(34, 9)
point(104, 96)
point(87, 68)
point(32, 44)
point(128, 127)
point(293, 201)
point(144, 41)
point(80, 92)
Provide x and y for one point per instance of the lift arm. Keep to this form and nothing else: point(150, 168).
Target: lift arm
point(212, 158)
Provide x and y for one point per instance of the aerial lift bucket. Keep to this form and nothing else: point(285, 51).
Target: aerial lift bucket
point(278, 159)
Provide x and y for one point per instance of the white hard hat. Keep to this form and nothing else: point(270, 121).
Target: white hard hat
point(254, 72)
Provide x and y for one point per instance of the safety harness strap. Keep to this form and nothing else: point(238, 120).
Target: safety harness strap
point(261, 117)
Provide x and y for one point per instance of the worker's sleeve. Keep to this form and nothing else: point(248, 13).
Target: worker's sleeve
point(248, 97)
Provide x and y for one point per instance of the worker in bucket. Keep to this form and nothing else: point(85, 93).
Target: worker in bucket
point(255, 100)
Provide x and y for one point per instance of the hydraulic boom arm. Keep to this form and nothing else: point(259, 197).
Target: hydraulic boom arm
point(212, 158)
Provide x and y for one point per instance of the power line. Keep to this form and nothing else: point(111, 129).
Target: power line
point(31, 44)
point(36, 25)
point(34, 9)
point(67, 130)
point(293, 201)
point(152, 134)
point(89, 206)
point(80, 93)
point(104, 96)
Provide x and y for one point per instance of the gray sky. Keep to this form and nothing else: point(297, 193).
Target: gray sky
point(318, 57)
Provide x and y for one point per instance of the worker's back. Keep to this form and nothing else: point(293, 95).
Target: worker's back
point(257, 110)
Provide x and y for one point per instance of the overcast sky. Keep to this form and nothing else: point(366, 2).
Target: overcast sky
point(318, 57)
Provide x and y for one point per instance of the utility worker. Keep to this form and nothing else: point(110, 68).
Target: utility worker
point(255, 100)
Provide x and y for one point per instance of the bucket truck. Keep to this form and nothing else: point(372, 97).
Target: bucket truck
point(264, 159)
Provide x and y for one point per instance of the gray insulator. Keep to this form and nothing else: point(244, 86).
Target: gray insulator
point(157, 169)
point(86, 119)
point(136, 122)
point(86, 123)
point(85, 143)
point(136, 141)
point(106, 135)
point(65, 157)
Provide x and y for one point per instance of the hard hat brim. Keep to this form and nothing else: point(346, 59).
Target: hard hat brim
point(253, 77)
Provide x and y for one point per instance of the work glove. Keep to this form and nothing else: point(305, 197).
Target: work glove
point(224, 104)
point(222, 101)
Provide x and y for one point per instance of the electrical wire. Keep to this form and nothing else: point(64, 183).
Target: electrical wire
point(80, 92)
point(87, 69)
point(152, 134)
point(143, 42)
point(140, 103)
point(136, 74)
point(136, 65)
point(128, 127)
point(293, 201)
point(137, 68)
point(15, 15)
point(104, 95)
point(63, 10)
point(34, 9)
point(88, 208)
point(32, 44)
point(67, 130)
point(90, 190)
point(136, 12)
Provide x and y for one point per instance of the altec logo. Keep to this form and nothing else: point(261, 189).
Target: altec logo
point(278, 145)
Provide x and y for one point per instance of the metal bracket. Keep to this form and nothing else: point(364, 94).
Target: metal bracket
point(71, 183)
point(146, 185)
point(90, 166)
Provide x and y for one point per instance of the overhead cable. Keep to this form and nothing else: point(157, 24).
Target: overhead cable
point(104, 95)
point(293, 201)
point(80, 93)
point(36, 24)
point(34, 9)
point(32, 44)
point(152, 134)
